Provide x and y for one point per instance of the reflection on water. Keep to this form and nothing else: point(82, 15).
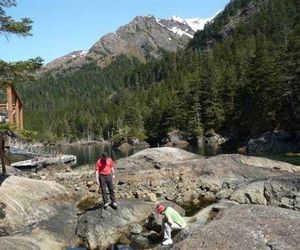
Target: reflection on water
point(289, 159)
point(15, 157)
point(89, 154)
point(203, 149)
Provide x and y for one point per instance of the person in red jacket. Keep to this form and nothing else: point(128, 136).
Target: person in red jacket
point(104, 170)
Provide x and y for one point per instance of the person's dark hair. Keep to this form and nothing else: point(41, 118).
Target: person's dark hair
point(104, 155)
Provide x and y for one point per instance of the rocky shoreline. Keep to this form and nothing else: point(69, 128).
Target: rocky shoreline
point(254, 202)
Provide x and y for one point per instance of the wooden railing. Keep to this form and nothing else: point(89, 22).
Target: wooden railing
point(13, 107)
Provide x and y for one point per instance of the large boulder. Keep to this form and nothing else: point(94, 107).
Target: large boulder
point(35, 241)
point(261, 162)
point(176, 138)
point(252, 193)
point(247, 227)
point(132, 144)
point(32, 210)
point(234, 171)
point(212, 139)
point(283, 191)
point(101, 228)
point(154, 158)
point(274, 142)
point(137, 143)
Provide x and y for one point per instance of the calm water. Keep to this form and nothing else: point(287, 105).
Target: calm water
point(89, 154)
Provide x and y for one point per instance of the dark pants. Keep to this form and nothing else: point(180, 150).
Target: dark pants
point(107, 181)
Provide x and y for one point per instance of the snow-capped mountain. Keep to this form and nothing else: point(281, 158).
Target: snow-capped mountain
point(144, 37)
point(182, 26)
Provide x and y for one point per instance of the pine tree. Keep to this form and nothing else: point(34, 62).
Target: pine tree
point(211, 111)
point(288, 95)
point(10, 72)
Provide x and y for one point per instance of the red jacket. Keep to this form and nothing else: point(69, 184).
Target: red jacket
point(104, 167)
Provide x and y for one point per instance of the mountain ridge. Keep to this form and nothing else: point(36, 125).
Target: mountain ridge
point(144, 37)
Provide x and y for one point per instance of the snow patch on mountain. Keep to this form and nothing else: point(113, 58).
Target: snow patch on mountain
point(80, 53)
point(84, 52)
point(181, 26)
point(197, 23)
point(158, 20)
point(194, 23)
point(180, 32)
point(175, 29)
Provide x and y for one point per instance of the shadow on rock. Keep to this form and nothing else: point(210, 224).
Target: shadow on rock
point(3, 177)
point(101, 228)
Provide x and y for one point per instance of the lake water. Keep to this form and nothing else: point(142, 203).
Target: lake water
point(89, 154)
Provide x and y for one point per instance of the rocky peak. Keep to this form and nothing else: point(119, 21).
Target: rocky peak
point(144, 37)
point(61, 62)
point(66, 58)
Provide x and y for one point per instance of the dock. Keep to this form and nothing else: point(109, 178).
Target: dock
point(39, 162)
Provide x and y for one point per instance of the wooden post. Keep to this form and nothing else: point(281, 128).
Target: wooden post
point(10, 104)
point(21, 117)
point(17, 106)
point(2, 153)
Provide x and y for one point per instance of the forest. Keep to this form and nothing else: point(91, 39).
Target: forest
point(239, 76)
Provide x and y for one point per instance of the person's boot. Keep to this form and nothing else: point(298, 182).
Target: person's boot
point(114, 205)
point(167, 242)
point(106, 204)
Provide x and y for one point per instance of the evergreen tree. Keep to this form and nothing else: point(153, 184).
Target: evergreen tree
point(9, 72)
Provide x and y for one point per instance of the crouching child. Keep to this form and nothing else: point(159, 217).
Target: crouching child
point(171, 220)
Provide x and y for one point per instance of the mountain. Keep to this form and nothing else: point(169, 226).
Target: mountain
point(145, 37)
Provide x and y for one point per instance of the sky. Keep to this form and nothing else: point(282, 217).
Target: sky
point(64, 26)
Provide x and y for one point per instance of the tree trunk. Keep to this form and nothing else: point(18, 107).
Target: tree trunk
point(2, 152)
